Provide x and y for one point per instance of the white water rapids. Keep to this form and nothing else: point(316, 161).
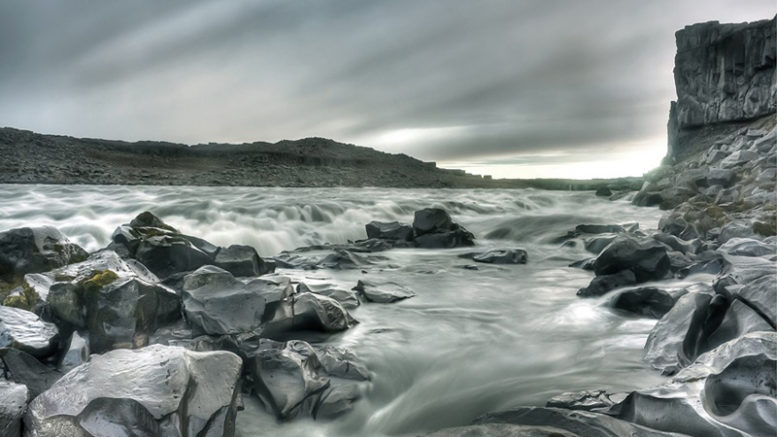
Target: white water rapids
point(470, 342)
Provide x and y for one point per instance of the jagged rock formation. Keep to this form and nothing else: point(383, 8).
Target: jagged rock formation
point(723, 73)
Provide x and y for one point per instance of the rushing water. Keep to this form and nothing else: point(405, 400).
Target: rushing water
point(470, 342)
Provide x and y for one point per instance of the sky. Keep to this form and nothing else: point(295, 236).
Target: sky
point(519, 89)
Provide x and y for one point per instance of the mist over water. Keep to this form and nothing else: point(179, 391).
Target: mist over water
point(470, 342)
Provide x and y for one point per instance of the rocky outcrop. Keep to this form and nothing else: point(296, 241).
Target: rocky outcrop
point(723, 73)
point(31, 250)
point(158, 390)
point(23, 330)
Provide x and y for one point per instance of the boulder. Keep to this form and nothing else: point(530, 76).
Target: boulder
point(32, 250)
point(761, 295)
point(383, 292)
point(76, 352)
point(502, 430)
point(721, 176)
point(603, 192)
point(389, 231)
point(293, 379)
point(24, 330)
point(728, 391)
point(681, 334)
point(319, 313)
point(431, 220)
point(647, 259)
point(434, 229)
point(582, 423)
point(13, 403)
point(599, 229)
point(498, 256)
point(596, 244)
point(739, 320)
point(242, 261)
point(347, 298)
point(118, 301)
point(605, 283)
point(154, 391)
point(596, 401)
point(644, 301)
point(216, 303)
point(747, 247)
point(23, 368)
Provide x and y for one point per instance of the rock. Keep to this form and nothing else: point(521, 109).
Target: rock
point(292, 381)
point(647, 259)
point(32, 250)
point(498, 256)
point(603, 192)
point(605, 283)
point(747, 247)
point(739, 320)
point(596, 401)
point(343, 259)
point(162, 248)
point(119, 301)
point(596, 244)
point(734, 229)
point(346, 298)
point(725, 392)
point(585, 264)
point(76, 352)
point(154, 391)
point(721, 176)
point(319, 313)
point(644, 301)
point(216, 303)
point(582, 423)
point(23, 368)
point(23, 330)
point(242, 261)
point(761, 296)
point(385, 292)
point(431, 220)
point(501, 430)
point(680, 336)
point(389, 231)
point(599, 229)
point(680, 245)
point(13, 402)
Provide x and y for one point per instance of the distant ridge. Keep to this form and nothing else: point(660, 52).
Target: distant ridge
point(29, 157)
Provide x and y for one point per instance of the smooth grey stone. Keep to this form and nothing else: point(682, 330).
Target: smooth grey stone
point(37, 249)
point(157, 390)
point(739, 320)
point(319, 313)
point(647, 259)
point(389, 231)
point(761, 295)
point(599, 229)
point(501, 256)
point(384, 292)
point(596, 244)
point(13, 402)
point(76, 352)
point(24, 330)
point(644, 301)
point(346, 298)
point(747, 247)
point(603, 284)
point(501, 430)
point(596, 401)
point(25, 369)
point(242, 261)
point(431, 220)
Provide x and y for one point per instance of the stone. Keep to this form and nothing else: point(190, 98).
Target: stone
point(501, 430)
point(75, 353)
point(498, 256)
point(431, 220)
point(644, 301)
point(458, 237)
point(24, 330)
point(647, 259)
point(292, 380)
point(678, 244)
point(347, 298)
point(383, 292)
point(33, 250)
point(735, 229)
point(727, 391)
point(747, 247)
point(242, 261)
point(216, 303)
point(721, 176)
point(739, 320)
point(595, 401)
point(582, 423)
point(596, 244)
point(761, 296)
point(23, 368)
point(154, 391)
point(605, 283)
point(599, 229)
point(319, 313)
point(13, 403)
point(389, 231)
point(603, 192)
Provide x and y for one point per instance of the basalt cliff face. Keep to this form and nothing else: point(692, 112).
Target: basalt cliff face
point(725, 76)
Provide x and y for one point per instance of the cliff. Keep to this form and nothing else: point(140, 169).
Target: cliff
point(724, 76)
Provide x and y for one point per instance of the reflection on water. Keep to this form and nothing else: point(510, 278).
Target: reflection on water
point(470, 342)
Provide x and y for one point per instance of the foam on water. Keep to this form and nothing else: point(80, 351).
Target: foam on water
point(470, 342)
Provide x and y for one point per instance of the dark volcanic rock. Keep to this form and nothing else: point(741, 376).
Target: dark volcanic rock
point(319, 313)
point(23, 368)
point(596, 401)
point(13, 402)
point(154, 391)
point(435, 229)
point(431, 220)
point(605, 283)
point(31, 250)
point(498, 256)
point(75, 352)
point(216, 303)
point(502, 430)
point(294, 379)
point(384, 292)
point(389, 231)
point(347, 298)
point(25, 331)
point(644, 301)
point(242, 261)
point(647, 259)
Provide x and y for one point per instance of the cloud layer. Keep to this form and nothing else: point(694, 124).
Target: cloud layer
point(454, 81)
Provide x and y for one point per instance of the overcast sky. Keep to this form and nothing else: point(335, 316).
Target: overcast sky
point(513, 88)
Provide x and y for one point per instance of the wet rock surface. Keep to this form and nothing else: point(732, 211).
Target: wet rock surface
point(182, 393)
point(13, 403)
point(39, 249)
point(23, 330)
point(382, 292)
